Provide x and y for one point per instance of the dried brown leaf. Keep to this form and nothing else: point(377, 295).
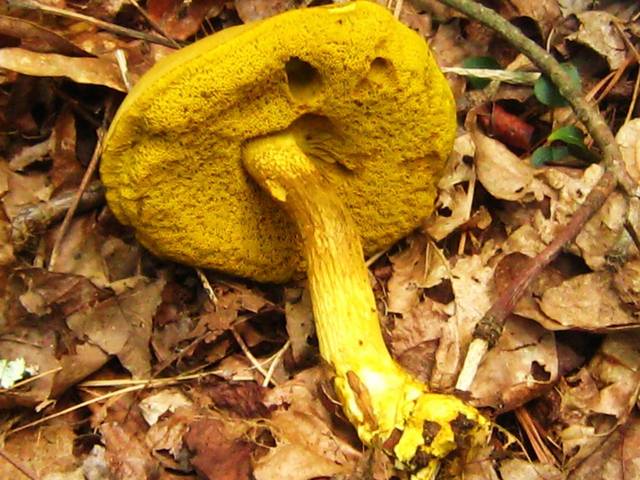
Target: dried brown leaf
point(604, 234)
point(544, 12)
point(627, 283)
point(245, 399)
point(449, 47)
point(518, 469)
point(127, 456)
point(300, 323)
point(617, 457)
point(628, 139)
point(453, 205)
point(569, 7)
point(180, 20)
point(122, 325)
point(38, 350)
point(304, 431)
point(471, 280)
point(94, 71)
point(568, 189)
point(219, 453)
point(600, 396)
point(418, 21)
point(156, 405)
point(252, 10)
point(37, 38)
point(48, 450)
point(586, 302)
point(80, 253)
point(598, 32)
point(22, 190)
point(530, 353)
point(501, 172)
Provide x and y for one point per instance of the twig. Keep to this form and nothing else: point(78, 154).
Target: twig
point(134, 385)
point(243, 346)
point(110, 27)
point(489, 328)
point(93, 165)
point(34, 219)
point(19, 465)
point(633, 234)
point(29, 380)
point(245, 349)
point(525, 78)
point(531, 428)
point(274, 363)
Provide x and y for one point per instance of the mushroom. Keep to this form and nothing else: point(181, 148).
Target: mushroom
point(288, 145)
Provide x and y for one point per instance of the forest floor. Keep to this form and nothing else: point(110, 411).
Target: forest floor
point(115, 364)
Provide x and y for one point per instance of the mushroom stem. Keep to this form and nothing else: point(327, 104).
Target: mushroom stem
point(389, 407)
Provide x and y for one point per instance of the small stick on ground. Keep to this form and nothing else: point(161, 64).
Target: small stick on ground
point(93, 165)
point(34, 219)
point(532, 429)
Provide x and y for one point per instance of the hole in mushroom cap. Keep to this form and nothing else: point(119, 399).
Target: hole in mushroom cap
point(381, 70)
point(381, 74)
point(303, 79)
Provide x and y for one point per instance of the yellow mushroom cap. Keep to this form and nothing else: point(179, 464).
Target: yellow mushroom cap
point(360, 92)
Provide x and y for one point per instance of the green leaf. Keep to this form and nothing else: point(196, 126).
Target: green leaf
point(544, 155)
point(480, 62)
point(574, 139)
point(569, 134)
point(548, 94)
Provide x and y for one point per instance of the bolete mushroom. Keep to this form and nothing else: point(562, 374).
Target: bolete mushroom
point(276, 147)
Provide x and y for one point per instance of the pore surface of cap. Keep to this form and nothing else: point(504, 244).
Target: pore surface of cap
point(360, 92)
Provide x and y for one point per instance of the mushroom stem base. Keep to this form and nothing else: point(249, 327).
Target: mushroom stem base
point(389, 407)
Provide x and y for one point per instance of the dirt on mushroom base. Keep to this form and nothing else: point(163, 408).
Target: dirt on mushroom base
point(580, 417)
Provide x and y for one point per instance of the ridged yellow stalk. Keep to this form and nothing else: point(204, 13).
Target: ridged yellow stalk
point(390, 408)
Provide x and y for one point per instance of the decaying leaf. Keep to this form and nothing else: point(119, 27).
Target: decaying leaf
point(604, 234)
point(544, 12)
point(22, 189)
point(530, 353)
point(569, 7)
point(219, 451)
point(122, 325)
point(300, 323)
point(628, 139)
point(518, 469)
point(616, 459)
point(94, 71)
point(598, 31)
point(37, 38)
point(180, 20)
point(501, 172)
point(126, 455)
point(627, 283)
point(48, 450)
point(252, 10)
point(599, 397)
point(587, 302)
point(306, 443)
point(471, 282)
point(169, 400)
